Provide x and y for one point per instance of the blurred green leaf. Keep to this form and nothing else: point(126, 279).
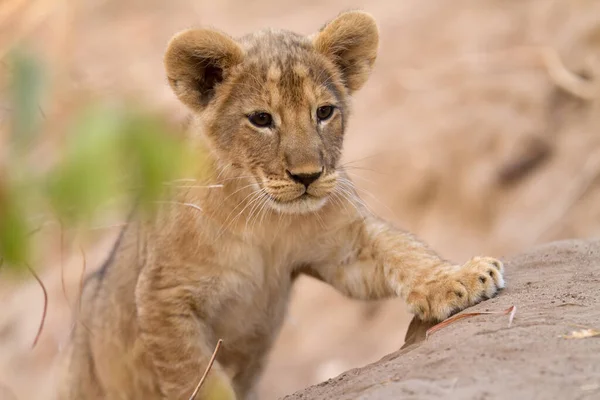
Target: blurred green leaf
point(152, 156)
point(25, 95)
point(14, 243)
point(110, 154)
point(87, 176)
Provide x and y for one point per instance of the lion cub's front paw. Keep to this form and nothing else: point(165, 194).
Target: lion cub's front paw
point(449, 291)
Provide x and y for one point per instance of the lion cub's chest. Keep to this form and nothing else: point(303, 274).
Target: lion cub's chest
point(255, 289)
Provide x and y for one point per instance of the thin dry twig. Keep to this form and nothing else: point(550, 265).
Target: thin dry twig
point(41, 328)
point(62, 262)
point(580, 326)
point(75, 229)
point(208, 367)
point(510, 311)
point(194, 206)
point(81, 281)
point(172, 183)
point(582, 334)
point(83, 269)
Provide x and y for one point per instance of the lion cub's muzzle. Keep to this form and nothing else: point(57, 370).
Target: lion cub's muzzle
point(305, 179)
point(306, 191)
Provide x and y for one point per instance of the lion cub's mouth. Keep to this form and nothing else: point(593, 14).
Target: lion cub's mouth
point(305, 203)
point(303, 197)
point(289, 197)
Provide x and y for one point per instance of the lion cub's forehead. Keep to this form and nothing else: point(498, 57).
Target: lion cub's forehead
point(270, 45)
point(286, 62)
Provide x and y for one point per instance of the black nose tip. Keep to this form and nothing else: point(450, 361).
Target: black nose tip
point(305, 179)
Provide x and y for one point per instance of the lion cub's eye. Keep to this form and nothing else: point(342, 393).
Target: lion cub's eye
point(324, 112)
point(261, 119)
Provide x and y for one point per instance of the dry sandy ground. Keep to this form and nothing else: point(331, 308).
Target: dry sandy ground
point(478, 131)
point(555, 290)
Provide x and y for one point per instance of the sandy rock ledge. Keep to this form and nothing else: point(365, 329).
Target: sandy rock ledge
point(556, 288)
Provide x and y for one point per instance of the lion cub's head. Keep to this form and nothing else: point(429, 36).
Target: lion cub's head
point(274, 104)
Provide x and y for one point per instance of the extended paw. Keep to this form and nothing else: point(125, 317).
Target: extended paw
point(450, 291)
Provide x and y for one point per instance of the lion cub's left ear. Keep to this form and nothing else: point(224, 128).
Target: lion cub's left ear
point(351, 42)
point(197, 61)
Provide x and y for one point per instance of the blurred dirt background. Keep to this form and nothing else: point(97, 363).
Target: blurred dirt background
point(479, 131)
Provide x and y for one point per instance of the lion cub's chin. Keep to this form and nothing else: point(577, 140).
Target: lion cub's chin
point(304, 204)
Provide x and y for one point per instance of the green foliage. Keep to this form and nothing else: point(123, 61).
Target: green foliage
point(25, 93)
point(153, 157)
point(86, 177)
point(14, 246)
point(111, 154)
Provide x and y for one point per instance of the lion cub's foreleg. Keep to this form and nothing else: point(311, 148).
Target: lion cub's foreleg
point(384, 262)
point(176, 341)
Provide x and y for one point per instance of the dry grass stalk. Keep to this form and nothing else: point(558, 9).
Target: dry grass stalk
point(207, 370)
point(41, 328)
point(582, 334)
point(62, 263)
point(81, 282)
point(510, 311)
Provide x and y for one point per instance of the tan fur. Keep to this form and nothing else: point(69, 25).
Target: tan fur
point(219, 261)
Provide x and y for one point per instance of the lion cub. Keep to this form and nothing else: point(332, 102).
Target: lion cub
point(269, 112)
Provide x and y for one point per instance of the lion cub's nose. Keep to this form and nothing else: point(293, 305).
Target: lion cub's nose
point(304, 178)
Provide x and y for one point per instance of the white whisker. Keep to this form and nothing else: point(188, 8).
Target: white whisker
point(339, 200)
point(347, 188)
point(320, 219)
point(238, 190)
point(257, 203)
point(195, 186)
point(362, 159)
point(263, 203)
point(354, 187)
point(355, 175)
point(228, 223)
point(236, 177)
point(346, 168)
point(194, 206)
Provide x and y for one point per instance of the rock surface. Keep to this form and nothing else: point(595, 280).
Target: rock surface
point(556, 289)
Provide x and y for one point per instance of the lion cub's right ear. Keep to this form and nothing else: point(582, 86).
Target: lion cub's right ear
point(351, 42)
point(196, 61)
